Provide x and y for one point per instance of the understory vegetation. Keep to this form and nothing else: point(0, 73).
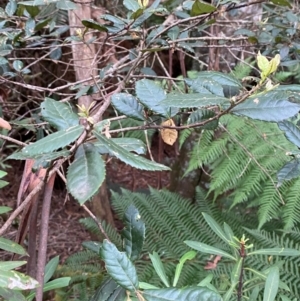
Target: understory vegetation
point(215, 82)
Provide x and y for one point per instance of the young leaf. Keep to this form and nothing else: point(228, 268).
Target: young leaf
point(192, 100)
point(128, 105)
point(208, 249)
point(289, 171)
point(291, 131)
point(86, 173)
point(133, 233)
point(276, 251)
point(119, 267)
point(215, 227)
point(187, 256)
point(159, 268)
point(272, 284)
point(53, 141)
point(58, 114)
point(271, 106)
point(128, 158)
point(185, 294)
point(11, 246)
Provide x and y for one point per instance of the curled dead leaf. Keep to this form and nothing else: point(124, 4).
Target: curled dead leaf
point(169, 136)
point(4, 124)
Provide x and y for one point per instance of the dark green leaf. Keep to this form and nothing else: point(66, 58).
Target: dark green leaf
point(272, 284)
point(127, 157)
point(130, 144)
point(186, 294)
point(205, 86)
point(128, 105)
point(109, 291)
point(192, 100)
point(94, 246)
point(86, 173)
point(11, 295)
point(291, 131)
point(16, 280)
point(200, 8)
point(11, 246)
point(289, 171)
point(32, 10)
point(276, 252)
point(119, 267)
point(11, 7)
point(204, 248)
point(53, 141)
point(202, 115)
point(90, 23)
point(134, 233)
point(66, 5)
point(271, 106)
point(282, 2)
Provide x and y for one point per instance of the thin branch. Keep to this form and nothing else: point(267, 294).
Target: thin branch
point(12, 140)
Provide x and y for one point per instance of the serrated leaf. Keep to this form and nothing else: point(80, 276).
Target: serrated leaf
point(130, 144)
point(119, 267)
point(11, 8)
point(271, 106)
point(215, 227)
point(109, 291)
point(133, 233)
point(200, 8)
point(150, 94)
point(66, 5)
point(90, 23)
point(11, 246)
point(86, 173)
point(9, 265)
point(16, 280)
point(128, 105)
point(201, 115)
point(159, 268)
point(272, 284)
point(276, 252)
point(289, 171)
point(208, 249)
point(193, 100)
point(185, 294)
point(291, 131)
point(54, 141)
point(127, 157)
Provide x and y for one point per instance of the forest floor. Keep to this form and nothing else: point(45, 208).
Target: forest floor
point(66, 233)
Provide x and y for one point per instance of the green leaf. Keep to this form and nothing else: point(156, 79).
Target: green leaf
point(16, 280)
point(4, 209)
point(276, 252)
point(11, 295)
point(128, 105)
point(215, 227)
point(51, 268)
point(289, 171)
point(119, 267)
point(32, 10)
point(11, 246)
point(185, 294)
point(202, 115)
point(131, 5)
point(130, 144)
point(94, 246)
point(127, 157)
point(203, 85)
point(200, 8)
point(151, 94)
point(18, 65)
point(236, 271)
point(282, 2)
point(66, 5)
point(193, 100)
point(109, 291)
point(187, 256)
point(291, 131)
point(58, 114)
point(9, 265)
point(90, 23)
point(11, 8)
point(272, 284)
point(53, 141)
point(271, 106)
point(133, 233)
point(208, 249)
point(159, 268)
point(86, 173)
point(29, 28)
